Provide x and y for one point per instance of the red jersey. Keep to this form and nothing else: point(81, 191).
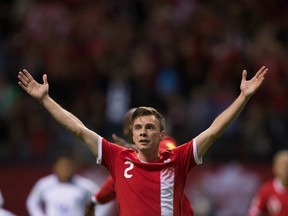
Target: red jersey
point(107, 192)
point(143, 188)
point(186, 209)
point(270, 200)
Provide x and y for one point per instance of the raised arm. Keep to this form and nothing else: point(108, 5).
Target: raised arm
point(225, 119)
point(41, 93)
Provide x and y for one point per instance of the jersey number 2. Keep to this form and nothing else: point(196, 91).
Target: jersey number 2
point(131, 166)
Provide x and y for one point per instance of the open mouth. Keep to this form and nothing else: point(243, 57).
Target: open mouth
point(144, 141)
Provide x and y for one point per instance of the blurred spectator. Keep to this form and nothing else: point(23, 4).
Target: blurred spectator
point(85, 41)
point(61, 193)
point(167, 48)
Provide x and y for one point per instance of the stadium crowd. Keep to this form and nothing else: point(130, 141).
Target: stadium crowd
point(184, 57)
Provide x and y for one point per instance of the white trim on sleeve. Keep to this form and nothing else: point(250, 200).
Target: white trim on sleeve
point(195, 153)
point(99, 158)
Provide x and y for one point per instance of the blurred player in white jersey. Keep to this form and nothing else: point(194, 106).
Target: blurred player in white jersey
point(62, 193)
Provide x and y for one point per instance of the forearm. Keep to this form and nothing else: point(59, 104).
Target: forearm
point(62, 116)
point(71, 123)
point(227, 117)
point(220, 124)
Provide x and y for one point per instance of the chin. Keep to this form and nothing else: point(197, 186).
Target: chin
point(141, 148)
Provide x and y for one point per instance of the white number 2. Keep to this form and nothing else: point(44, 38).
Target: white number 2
point(131, 166)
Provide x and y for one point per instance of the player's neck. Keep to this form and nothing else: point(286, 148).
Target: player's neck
point(285, 183)
point(144, 157)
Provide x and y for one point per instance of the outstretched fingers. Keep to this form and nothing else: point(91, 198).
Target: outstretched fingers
point(28, 75)
point(24, 81)
point(22, 86)
point(260, 75)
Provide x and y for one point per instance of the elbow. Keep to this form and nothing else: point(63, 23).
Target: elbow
point(215, 134)
point(78, 132)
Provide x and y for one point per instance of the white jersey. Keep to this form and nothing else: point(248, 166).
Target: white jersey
point(58, 198)
point(4, 212)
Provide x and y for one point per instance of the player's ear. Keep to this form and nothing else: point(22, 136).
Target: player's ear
point(162, 134)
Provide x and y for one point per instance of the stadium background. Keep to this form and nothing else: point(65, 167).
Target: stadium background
point(184, 57)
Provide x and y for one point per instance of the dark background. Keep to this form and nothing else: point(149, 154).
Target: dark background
point(183, 57)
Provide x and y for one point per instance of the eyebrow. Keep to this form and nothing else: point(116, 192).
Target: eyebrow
point(145, 125)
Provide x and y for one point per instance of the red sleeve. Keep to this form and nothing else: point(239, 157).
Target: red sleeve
point(107, 192)
point(109, 153)
point(186, 153)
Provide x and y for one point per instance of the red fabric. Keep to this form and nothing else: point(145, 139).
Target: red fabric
point(107, 192)
point(186, 209)
point(270, 200)
point(135, 178)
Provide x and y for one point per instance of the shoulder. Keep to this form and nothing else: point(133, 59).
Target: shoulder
point(186, 147)
point(188, 150)
point(82, 179)
point(106, 142)
point(84, 182)
point(267, 187)
point(268, 184)
point(47, 180)
point(44, 183)
point(112, 147)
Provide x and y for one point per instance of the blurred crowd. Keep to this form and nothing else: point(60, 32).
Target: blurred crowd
point(183, 57)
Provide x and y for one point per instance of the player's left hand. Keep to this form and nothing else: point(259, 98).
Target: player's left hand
point(249, 87)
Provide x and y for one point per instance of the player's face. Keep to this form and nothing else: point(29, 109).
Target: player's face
point(146, 133)
point(281, 168)
point(64, 169)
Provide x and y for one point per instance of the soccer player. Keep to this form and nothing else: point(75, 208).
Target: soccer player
point(146, 182)
point(107, 191)
point(271, 198)
point(61, 193)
